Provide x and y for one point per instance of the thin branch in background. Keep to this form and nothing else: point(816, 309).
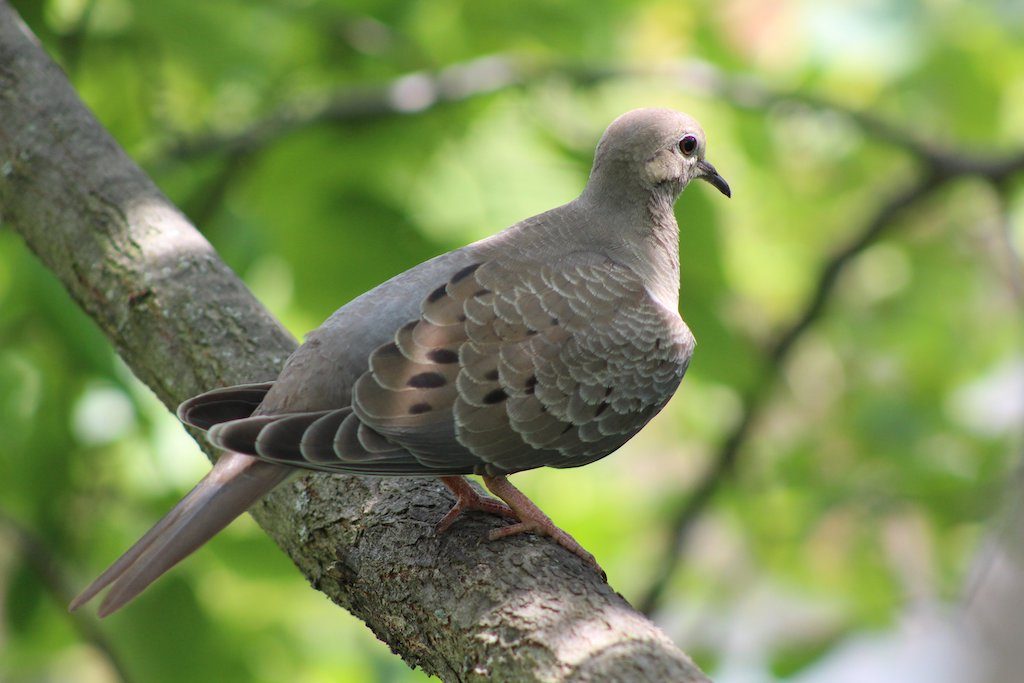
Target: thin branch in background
point(420, 91)
point(1014, 264)
point(72, 42)
point(44, 565)
point(941, 170)
point(409, 94)
point(753, 94)
point(724, 462)
point(203, 205)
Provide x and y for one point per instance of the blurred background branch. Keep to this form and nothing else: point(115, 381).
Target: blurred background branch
point(26, 546)
point(418, 92)
point(939, 169)
point(406, 95)
point(1011, 264)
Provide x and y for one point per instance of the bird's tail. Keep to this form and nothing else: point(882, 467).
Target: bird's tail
point(232, 486)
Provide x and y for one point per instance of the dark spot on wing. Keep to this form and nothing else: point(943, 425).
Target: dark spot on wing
point(495, 396)
point(443, 356)
point(437, 294)
point(465, 272)
point(492, 375)
point(389, 349)
point(419, 408)
point(427, 380)
point(601, 408)
point(482, 292)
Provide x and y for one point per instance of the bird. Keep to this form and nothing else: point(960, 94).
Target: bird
point(550, 343)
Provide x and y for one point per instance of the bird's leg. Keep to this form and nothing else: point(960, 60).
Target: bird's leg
point(532, 519)
point(466, 499)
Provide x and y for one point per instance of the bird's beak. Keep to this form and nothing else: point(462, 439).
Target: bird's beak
point(710, 174)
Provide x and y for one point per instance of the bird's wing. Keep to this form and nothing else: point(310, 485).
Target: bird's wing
point(223, 405)
point(508, 367)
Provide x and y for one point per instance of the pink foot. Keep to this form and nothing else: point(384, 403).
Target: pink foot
point(466, 500)
point(533, 520)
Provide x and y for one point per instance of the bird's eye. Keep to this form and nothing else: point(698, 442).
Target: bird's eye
point(688, 144)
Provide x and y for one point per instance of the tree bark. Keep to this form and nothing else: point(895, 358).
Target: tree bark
point(459, 607)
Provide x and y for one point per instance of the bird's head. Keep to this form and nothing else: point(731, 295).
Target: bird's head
point(653, 151)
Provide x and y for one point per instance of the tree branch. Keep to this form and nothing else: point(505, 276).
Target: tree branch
point(420, 91)
point(408, 94)
point(461, 608)
point(1013, 263)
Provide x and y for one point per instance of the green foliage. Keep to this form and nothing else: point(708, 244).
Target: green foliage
point(869, 476)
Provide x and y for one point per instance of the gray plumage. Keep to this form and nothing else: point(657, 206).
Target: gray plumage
point(550, 343)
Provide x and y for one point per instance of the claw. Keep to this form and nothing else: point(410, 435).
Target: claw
point(467, 500)
point(529, 518)
point(533, 520)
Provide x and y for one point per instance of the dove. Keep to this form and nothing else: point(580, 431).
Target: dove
point(550, 343)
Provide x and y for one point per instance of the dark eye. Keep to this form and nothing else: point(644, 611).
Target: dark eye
point(688, 144)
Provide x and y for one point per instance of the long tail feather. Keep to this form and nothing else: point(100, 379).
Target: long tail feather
point(232, 486)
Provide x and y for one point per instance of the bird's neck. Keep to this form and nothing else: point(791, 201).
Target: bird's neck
point(660, 250)
point(642, 234)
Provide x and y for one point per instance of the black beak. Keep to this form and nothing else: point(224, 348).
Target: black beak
point(710, 174)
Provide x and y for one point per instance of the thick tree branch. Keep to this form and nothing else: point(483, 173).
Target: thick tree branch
point(457, 606)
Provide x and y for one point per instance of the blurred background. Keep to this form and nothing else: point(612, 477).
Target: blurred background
point(823, 500)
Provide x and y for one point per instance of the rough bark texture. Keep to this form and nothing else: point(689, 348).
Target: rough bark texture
point(458, 606)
